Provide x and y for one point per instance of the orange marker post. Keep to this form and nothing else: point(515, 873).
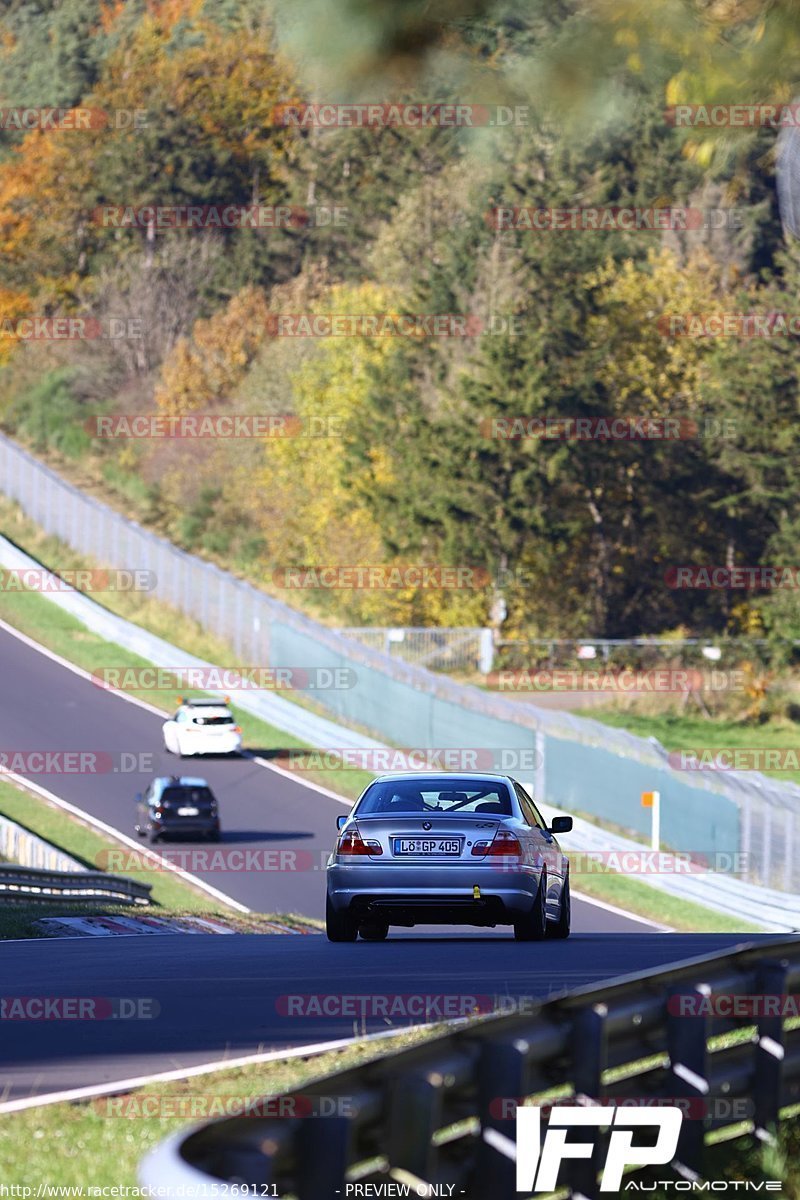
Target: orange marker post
point(652, 800)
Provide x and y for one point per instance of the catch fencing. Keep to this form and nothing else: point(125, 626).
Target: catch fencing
point(443, 1112)
point(466, 648)
point(573, 763)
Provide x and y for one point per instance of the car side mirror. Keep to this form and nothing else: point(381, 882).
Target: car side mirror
point(137, 799)
point(561, 825)
point(341, 822)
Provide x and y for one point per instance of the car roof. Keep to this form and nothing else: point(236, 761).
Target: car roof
point(180, 781)
point(421, 776)
point(203, 702)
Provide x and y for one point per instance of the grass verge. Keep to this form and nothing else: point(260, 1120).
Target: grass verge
point(645, 901)
point(691, 732)
point(89, 1143)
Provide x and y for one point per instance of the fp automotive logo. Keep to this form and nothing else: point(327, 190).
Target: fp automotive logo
point(538, 1161)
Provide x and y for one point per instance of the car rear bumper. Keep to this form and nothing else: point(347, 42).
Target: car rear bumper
point(230, 744)
point(402, 891)
point(187, 826)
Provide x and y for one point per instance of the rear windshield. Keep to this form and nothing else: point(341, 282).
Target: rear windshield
point(213, 720)
point(436, 796)
point(194, 797)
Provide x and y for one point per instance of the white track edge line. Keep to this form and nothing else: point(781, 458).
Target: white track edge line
point(622, 912)
point(210, 1068)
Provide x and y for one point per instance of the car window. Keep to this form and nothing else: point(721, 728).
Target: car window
point(181, 716)
point(197, 797)
point(448, 795)
point(213, 720)
point(529, 809)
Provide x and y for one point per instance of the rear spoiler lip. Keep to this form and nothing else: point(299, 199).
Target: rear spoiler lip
point(481, 818)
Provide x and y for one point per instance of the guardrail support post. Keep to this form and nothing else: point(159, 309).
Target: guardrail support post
point(687, 1041)
point(502, 1082)
point(590, 1045)
point(322, 1151)
point(769, 1055)
point(414, 1108)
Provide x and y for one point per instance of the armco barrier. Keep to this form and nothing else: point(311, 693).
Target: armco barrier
point(40, 872)
point(583, 766)
point(24, 885)
point(443, 1112)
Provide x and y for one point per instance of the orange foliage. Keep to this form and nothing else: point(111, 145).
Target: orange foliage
point(13, 305)
point(208, 368)
point(41, 187)
point(110, 13)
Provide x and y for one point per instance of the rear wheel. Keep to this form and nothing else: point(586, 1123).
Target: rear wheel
point(560, 928)
point(374, 931)
point(152, 836)
point(532, 927)
point(340, 927)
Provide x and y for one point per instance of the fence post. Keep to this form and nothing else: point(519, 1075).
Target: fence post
point(486, 651)
point(788, 850)
point(766, 847)
point(769, 1052)
point(539, 774)
point(747, 835)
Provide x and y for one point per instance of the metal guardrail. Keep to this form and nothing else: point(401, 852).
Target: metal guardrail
point(27, 885)
point(435, 1113)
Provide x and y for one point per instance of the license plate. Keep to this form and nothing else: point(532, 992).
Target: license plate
point(188, 812)
point(438, 847)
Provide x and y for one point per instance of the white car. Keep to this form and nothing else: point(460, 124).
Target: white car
point(202, 727)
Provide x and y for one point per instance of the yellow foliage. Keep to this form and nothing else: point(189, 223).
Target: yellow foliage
point(740, 51)
point(320, 520)
point(322, 523)
point(641, 366)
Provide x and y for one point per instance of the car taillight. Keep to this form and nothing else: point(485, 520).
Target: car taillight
point(237, 729)
point(504, 843)
point(159, 812)
point(353, 843)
